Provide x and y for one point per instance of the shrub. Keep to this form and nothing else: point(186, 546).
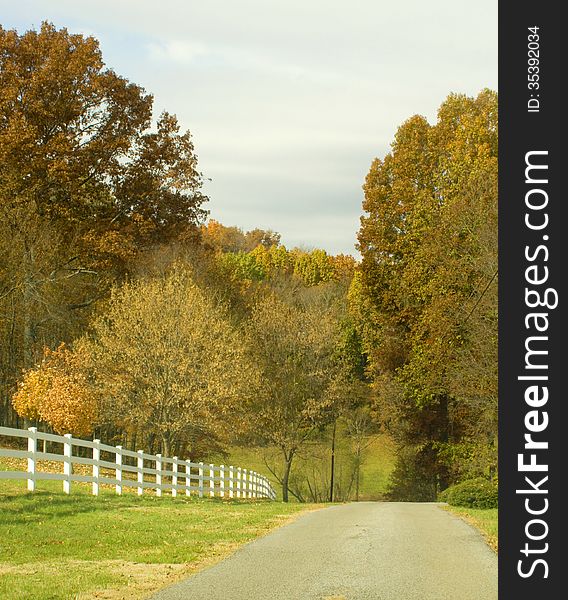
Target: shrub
point(472, 493)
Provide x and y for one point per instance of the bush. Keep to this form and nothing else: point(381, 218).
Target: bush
point(472, 493)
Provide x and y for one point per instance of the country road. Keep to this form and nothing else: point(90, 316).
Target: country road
point(359, 551)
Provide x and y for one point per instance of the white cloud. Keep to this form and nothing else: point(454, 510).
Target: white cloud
point(177, 51)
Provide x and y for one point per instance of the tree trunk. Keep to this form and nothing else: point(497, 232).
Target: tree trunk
point(27, 298)
point(288, 458)
point(166, 445)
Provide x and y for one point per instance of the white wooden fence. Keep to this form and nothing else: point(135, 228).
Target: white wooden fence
point(143, 471)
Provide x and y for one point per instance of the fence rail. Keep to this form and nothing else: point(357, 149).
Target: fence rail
point(143, 471)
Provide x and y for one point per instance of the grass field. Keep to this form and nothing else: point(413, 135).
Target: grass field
point(377, 464)
point(54, 546)
point(484, 519)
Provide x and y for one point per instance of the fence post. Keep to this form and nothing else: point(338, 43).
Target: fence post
point(222, 481)
point(255, 484)
point(174, 476)
point(200, 481)
point(67, 455)
point(211, 481)
point(239, 481)
point(231, 480)
point(118, 470)
point(32, 448)
point(158, 474)
point(96, 466)
point(140, 474)
point(188, 477)
point(245, 482)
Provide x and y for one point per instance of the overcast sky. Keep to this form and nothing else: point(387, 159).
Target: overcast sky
point(288, 101)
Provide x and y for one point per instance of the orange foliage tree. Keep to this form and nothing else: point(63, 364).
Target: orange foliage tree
point(58, 393)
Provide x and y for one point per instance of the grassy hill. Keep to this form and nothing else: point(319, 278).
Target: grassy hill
point(314, 462)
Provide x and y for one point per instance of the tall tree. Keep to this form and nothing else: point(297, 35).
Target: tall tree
point(168, 361)
point(428, 245)
point(85, 182)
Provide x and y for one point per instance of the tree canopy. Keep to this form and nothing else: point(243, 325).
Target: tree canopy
point(87, 181)
point(167, 360)
point(426, 289)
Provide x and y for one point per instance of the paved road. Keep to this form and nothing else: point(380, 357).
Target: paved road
point(359, 551)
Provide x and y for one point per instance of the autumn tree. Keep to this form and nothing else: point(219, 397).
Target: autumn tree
point(274, 261)
point(225, 238)
point(86, 181)
point(241, 266)
point(426, 288)
point(168, 361)
point(58, 392)
point(360, 426)
point(292, 339)
point(313, 267)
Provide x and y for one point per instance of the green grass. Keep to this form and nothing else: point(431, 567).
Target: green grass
point(78, 546)
point(54, 546)
point(484, 519)
point(377, 468)
point(378, 463)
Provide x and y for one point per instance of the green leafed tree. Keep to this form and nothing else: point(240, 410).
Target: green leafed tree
point(313, 267)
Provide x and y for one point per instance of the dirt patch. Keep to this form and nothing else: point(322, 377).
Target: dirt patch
point(143, 579)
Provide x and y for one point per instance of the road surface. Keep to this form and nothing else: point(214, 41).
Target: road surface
point(359, 551)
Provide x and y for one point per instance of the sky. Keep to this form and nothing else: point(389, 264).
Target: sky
point(288, 101)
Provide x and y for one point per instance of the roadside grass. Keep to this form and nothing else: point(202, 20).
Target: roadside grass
point(484, 519)
point(54, 546)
